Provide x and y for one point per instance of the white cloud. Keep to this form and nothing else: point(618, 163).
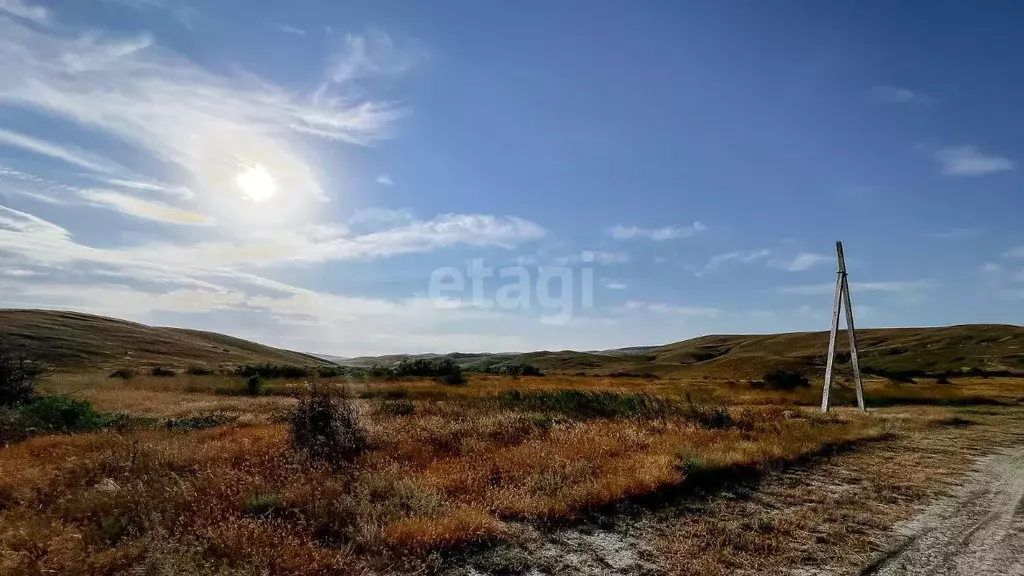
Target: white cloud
point(613, 285)
point(805, 261)
point(140, 208)
point(968, 160)
point(991, 268)
point(79, 158)
point(385, 180)
point(744, 257)
point(1017, 252)
point(602, 257)
point(896, 95)
point(905, 286)
point(291, 30)
point(620, 232)
point(207, 124)
point(373, 53)
point(25, 10)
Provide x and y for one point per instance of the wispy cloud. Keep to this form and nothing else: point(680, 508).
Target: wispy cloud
point(287, 29)
point(743, 257)
point(828, 288)
point(968, 160)
point(1017, 252)
point(896, 95)
point(76, 157)
point(620, 232)
point(208, 124)
point(385, 180)
point(613, 285)
point(25, 10)
point(804, 261)
point(373, 53)
point(140, 208)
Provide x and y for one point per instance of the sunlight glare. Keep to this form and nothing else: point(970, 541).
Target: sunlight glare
point(256, 183)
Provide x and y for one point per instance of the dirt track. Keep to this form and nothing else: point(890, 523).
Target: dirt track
point(978, 529)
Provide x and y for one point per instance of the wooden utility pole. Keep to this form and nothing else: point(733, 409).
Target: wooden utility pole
point(842, 298)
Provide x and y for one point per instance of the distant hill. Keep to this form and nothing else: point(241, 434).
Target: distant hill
point(75, 339)
point(66, 339)
point(988, 347)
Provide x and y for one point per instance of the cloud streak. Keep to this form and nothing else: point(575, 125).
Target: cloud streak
point(620, 232)
point(969, 160)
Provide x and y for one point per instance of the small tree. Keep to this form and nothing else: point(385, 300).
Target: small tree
point(253, 385)
point(785, 380)
point(325, 427)
point(17, 377)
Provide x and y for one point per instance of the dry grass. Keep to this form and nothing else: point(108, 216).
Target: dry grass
point(457, 469)
point(834, 517)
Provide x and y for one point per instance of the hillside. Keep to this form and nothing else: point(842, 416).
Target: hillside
point(64, 339)
point(945, 349)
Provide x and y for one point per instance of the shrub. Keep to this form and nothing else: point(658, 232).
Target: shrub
point(270, 371)
point(163, 372)
point(198, 422)
point(514, 368)
point(942, 379)
point(61, 413)
point(122, 373)
point(17, 377)
point(444, 370)
point(253, 385)
point(785, 380)
point(326, 427)
point(712, 417)
point(453, 379)
point(584, 404)
point(332, 371)
point(198, 371)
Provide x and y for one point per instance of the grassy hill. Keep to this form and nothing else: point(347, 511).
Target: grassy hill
point(74, 339)
point(68, 339)
point(984, 347)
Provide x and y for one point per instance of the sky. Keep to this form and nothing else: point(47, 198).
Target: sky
point(385, 177)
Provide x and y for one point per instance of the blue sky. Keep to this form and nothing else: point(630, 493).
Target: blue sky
point(298, 173)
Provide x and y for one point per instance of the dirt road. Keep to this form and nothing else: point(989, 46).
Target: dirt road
point(978, 529)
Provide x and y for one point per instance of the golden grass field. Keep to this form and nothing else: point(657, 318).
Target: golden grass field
point(462, 468)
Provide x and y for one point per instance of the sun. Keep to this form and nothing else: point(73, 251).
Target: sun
point(256, 183)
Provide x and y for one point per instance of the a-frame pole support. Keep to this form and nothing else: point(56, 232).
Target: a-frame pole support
point(842, 299)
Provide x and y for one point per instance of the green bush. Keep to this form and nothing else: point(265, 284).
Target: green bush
point(583, 404)
point(62, 413)
point(253, 385)
point(162, 372)
point(785, 380)
point(514, 368)
point(123, 373)
point(711, 417)
point(17, 377)
point(272, 372)
point(325, 427)
point(198, 422)
point(199, 371)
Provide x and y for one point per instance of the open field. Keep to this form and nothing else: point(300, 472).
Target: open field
point(449, 466)
point(198, 472)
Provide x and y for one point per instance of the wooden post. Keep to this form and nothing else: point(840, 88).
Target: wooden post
point(842, 298)
point(836, 303)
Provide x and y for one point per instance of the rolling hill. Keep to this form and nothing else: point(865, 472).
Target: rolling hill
point(70, 339)
point(74, 339)
point(987, 347)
